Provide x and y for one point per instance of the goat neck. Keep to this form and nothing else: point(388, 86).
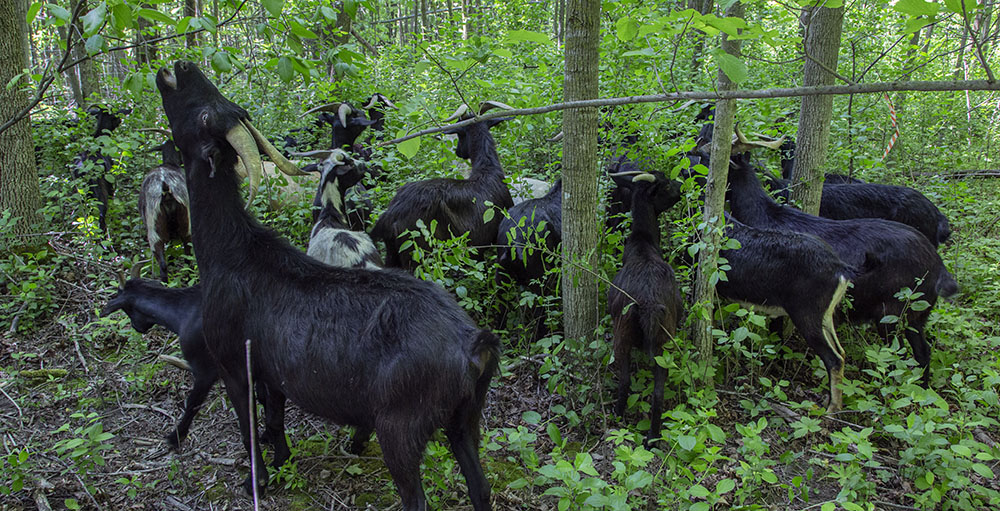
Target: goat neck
point(148, 303)
point(645, 224)
point(476, 144)
point(749, 202)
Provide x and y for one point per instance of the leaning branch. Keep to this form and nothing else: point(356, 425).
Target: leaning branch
point(788, 92)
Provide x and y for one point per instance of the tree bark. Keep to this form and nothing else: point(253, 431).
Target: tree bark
point(191, 9)
point(343, 25)
point(19, 191)
point(704, 7)
point(145, 52)
point(580, 170)
point(822, 46)
point(86, 70)
point(712, 214)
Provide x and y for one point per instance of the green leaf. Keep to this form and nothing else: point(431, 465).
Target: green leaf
point(553, 431)
point(71, 504)
point(983, 470)
point(626, 28)
point(61, 13)
point(828, 506)
point(917, 7)
point(488, 215)
point(955, 6)
point(301, 31)
point(529, 36)
point(962, 450)
point(531, 417)
point(725, 486)
point(328, 13)
point(154, 15)
point(273, 6)
point(94, 44)
point(285, 70)
point(221, 62)
point(769, 477)
point(134, 82)
point(699, 491)
point(351, 8)
point(517, 484)
point(122, 16)
point(700, 506)
point(409, 147)
point(93, 20)
point(734, 68)
point(645, 52)
point(687, 442)
point(33, 11)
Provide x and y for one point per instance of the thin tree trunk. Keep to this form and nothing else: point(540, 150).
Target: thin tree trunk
point(960, 60)
point(343, 25)
point(579, 205)
point(191, 9)
point(70, 74)
point(19, 191)
point(466, 19)
point(822, 44)
point(712, 214)
point(704, 7)
point(145, 52)
point(86, 70)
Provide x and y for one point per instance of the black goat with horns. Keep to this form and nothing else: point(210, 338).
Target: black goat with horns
point(372, 348)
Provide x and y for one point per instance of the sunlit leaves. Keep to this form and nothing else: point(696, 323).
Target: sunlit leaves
point(916, 7)
point(33, 11)
point(94, 20)
point(157, 16)
point(626, 28)
point(528, 36)
point(221, 62)
point(273, 6)
point(94, 44)
point(734, 68)
point(408, 148)
point(285, 70)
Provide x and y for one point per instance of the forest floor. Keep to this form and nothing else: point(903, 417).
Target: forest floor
point(85, 404)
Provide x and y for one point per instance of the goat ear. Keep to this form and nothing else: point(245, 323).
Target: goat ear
point(493, 122)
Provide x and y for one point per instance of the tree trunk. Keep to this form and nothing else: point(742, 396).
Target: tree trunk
point(579, 205)
point(145, 52)
point(343, 25)
point(712, 214)
point(704, 7)
point(822, 44)
point(191, 9)
point(86, 70)
point(18, 176)
point(71, 77)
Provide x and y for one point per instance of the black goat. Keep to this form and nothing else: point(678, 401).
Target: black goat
point(95, 166)
point(457, 205)
point(528, 234)
point(887, 256)
point(148, 303)
point(345, 127)
point(376, 108)
point(781, 273)
point(787, 152)
point(163, 205)
point(376, 349)
point(643, 299)
point(331, 240)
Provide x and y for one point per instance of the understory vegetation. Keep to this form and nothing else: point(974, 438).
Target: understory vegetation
point(85, 401)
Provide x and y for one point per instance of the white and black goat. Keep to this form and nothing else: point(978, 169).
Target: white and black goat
point(527, 237)
point(643, 298)
point(887, 256)
point(332, 240)
point(164, 206)
point(376, 108)
point(378, 349)
point(95, 165)
point(457, 205)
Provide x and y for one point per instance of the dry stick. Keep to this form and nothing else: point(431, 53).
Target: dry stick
point(778, 92)
point(253, 431)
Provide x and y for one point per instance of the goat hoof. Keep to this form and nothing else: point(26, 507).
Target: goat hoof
point(173, 441)
point(261, 486)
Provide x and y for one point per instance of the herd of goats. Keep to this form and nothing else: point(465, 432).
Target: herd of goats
point(346, 338)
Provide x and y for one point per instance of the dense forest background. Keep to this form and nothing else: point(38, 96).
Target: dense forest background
point(86, 399)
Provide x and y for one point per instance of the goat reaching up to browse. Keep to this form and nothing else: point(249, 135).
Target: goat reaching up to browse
point(376, 349)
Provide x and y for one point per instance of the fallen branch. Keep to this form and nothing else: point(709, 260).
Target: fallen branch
point(780, 92)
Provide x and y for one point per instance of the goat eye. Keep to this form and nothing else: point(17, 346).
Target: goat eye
point(204, 118)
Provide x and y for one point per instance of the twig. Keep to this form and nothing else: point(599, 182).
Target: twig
point(895, 506)
point(79, 355)
point(136, 406)
point(253, 431)
point(778, 92)
point(20, 415)
point(174, 361)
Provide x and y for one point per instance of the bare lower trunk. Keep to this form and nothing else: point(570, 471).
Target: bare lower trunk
point(822, 46)
point(579, 205)
point(712, 215)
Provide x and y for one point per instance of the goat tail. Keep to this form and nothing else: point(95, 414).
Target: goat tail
point(656, 326)
point(946, 285)
point(944, 229)
point(484, 361)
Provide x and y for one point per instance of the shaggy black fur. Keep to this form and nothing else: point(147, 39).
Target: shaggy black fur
point(99, 163)
point(888, 256)
point(457, 205)
point(376, 349)
point(163, 205)
point(643, 299)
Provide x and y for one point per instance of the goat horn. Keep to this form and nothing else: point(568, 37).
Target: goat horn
point(458, 113)
point(121, 277)
point(157, 130)
point(243, 142)
point(557, 137)
point(329, 107)
point(135, 272)
point(684, 106)
point(645, 176)
point(265, 146)
point(375, 98)
point(742, 144)
point(626, 173)
point(489, 105)
point(319, 154)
